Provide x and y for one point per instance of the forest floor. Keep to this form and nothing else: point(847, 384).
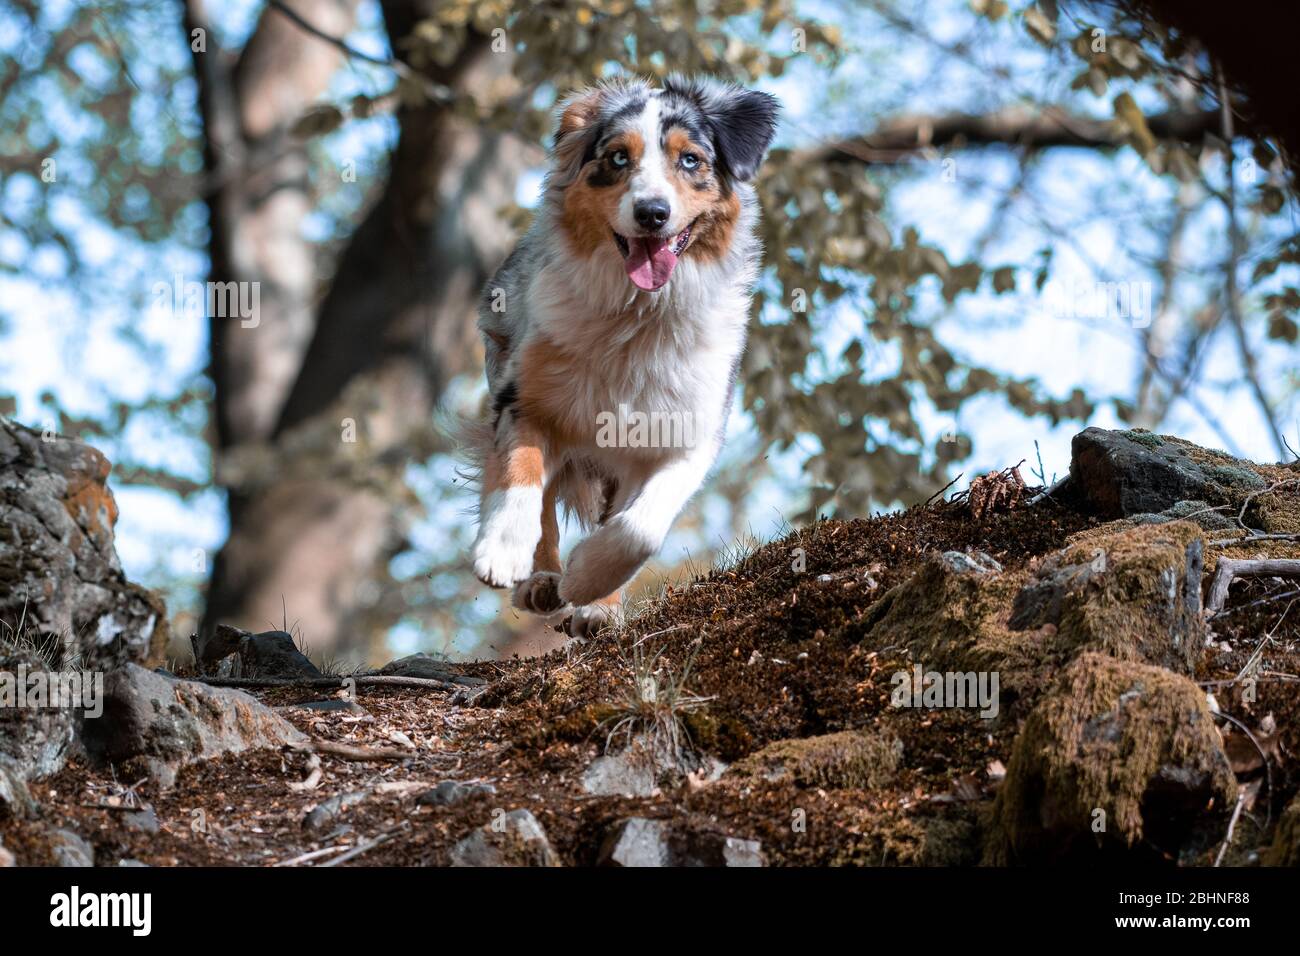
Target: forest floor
point(779, 646)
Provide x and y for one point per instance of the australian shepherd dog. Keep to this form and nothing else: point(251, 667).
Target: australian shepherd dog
point(614, 333)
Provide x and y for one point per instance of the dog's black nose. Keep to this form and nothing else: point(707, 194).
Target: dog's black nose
point(650, 213)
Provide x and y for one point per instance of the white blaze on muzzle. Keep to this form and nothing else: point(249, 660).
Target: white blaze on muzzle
point(650, 260)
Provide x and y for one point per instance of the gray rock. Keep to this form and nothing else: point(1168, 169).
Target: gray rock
point(1197, 511)
point(274, 654)
point(131, 863)
point(59, 571)
point(144, 819)
point(1120, 474)
point(638, 841)
point(34, 740)
point(738, 852)
point(327, 811)
point(628, 774)
point(977, 562)
point(69, 849)
point(268, 654)
point(451, 792)
point(154, 725)
point(511, 839)
point(1153, 572)
point(15, 799)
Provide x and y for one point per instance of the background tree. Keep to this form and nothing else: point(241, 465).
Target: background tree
point(945, 170)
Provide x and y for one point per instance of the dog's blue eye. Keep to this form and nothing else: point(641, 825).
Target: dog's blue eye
point(619, 158)
point(690, 161)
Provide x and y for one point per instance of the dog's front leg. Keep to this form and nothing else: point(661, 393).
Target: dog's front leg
point(608, 559)
point(510, 510)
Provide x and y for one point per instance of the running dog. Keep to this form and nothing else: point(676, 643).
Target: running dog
point(626, 303)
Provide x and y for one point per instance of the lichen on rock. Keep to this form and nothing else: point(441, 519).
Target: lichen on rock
point(60, 576)
point(1134, 594)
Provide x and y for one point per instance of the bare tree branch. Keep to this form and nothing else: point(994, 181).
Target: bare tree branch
point(1234, 259)
point(1051, 127)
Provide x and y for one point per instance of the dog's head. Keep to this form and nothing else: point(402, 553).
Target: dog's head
point(652, 173)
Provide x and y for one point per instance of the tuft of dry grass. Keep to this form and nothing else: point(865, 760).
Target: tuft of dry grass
point(51, 649)
point(651, 702)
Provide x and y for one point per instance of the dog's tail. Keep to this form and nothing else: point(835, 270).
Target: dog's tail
point(470, 439)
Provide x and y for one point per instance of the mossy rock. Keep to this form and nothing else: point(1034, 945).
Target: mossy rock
point(717, 733)
point(1285, 850)
point(903, 838)
point(850, 759)
point(951, 616)
point(1118, 758)
point(1134, 594)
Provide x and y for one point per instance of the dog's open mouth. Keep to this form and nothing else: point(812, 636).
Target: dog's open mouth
point(650, 260)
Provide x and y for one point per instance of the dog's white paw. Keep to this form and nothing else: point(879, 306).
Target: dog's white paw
point(590, 619)
point(509, 529)
point(539, 593)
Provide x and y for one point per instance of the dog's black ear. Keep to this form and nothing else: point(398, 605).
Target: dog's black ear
point(742, 121)
point(743, 129)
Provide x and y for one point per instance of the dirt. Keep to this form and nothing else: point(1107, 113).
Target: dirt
point(776, 647)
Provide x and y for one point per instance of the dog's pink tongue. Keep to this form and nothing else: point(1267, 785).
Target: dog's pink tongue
point(650, 262)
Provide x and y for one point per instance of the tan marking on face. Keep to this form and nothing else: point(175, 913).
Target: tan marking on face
point(631, 143)
point(587, 215)
point(589, 211)
point(713, 213)
point(714, 230)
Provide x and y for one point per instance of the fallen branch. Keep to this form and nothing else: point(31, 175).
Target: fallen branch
point(361, 680)
point(1264, 600)
point(314, 854)
point(1252, 538)
point(1232, 825)
point(332, 748)
point(943, 489)
point(1229, 569)
point(1268, 768)
point(368, 845)
point(312, 780)
point(1261, 677)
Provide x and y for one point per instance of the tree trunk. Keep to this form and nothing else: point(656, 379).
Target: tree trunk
point(316, 511)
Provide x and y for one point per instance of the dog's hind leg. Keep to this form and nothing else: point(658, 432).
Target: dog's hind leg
point(510, 511)
point(640, 520)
